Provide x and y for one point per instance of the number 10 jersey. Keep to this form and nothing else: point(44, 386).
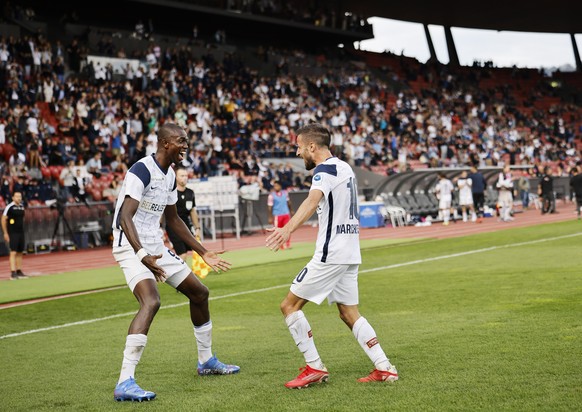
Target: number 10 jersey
point(338, 238)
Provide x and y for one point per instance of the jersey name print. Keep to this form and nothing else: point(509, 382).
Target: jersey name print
point(153, 188)
point(338, 239)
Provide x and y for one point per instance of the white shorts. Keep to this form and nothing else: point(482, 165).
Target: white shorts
point(445, 202)
point(135, 271)
point(505, 197)
point(466, 200)
point(337, 283)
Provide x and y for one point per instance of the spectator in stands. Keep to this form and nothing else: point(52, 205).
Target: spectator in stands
point(505, 199)
point(78, 188)
point(119, 164)
point(67, 179)
point(2, 131)
point(251, 166)
point(94, 165)
point(4, 56)
point(66, 149)
point(34, 159)
point(427, 127)
point(17, 163)
point(74, 54)
point(48, 88)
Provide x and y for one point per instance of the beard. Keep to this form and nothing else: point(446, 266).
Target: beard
point(309, 163)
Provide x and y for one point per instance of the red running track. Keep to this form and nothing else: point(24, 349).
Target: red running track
point(58, 262)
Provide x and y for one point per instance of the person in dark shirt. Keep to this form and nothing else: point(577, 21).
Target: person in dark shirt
point(186, 207)
point(546, 191)
point(478, 189)
point(576, 188)
point(13, 227)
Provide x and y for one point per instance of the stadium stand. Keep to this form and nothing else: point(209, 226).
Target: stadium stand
point(62, 97)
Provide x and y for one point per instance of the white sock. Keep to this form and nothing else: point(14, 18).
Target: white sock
point(366, 337)
point(301, 333)
point(203, 336)
point(134, 346)
point(473, 217)
point(464, 216)
point(447, 215)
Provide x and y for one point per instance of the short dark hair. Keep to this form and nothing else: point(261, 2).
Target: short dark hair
point(167, 130)
point(316, 133)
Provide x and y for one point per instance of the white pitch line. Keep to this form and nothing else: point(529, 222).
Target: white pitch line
point(120, 315)
point(64, 296)
point(469, 252)
point(230, 295)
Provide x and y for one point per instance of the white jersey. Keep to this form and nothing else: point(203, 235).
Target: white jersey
point(465, 191)
point(153, 188)
point(505, 181)
point(444, 188)
point(338, 238)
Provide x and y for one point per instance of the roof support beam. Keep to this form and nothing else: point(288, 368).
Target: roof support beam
point(433, 57)
point(576, 53)
point(453, 57)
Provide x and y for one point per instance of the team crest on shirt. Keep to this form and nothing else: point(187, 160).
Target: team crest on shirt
point(317, 179)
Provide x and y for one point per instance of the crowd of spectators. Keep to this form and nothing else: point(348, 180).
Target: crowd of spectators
point(242, 123)
point(316, 13)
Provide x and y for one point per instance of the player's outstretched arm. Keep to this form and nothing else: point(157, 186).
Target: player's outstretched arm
point(128, 209)
point(280, 235)
point(216, 262)
point(179, 227)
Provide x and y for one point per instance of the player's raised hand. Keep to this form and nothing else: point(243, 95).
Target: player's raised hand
point(277, 238)
point(216, 262)
point(150, 262)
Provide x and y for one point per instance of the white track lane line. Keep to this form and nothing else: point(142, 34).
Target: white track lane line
point(231, 295)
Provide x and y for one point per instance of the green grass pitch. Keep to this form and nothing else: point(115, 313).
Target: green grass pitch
point(470, 323)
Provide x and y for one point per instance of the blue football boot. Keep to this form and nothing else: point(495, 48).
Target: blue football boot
point(215, 367)
point(128, 390)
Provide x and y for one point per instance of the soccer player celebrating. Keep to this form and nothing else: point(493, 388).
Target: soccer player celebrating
point(332, 273)
point(148, 191)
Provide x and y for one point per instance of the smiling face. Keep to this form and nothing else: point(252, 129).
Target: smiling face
point(177, 146)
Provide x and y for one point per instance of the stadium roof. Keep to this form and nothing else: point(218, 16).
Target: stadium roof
point(557, 16)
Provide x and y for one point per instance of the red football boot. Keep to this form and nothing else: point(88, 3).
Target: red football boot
point(390, 375)
point(308, 377)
